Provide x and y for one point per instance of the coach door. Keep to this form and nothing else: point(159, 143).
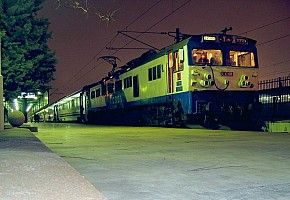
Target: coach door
point(170, 72)
point(135, 86)
point(83, 106)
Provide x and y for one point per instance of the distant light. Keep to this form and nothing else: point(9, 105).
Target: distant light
point(27, 95)
point(209, 38)
point(29, 107)
point(16, 104)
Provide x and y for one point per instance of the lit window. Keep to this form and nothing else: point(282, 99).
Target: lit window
point(241, 59)
point(206, 57)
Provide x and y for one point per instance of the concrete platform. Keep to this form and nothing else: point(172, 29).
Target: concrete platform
point(155, 163)
point(30, 171)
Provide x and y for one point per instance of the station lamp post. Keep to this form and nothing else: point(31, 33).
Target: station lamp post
point(1, 88)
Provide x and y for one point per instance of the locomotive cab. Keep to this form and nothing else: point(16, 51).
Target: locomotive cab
point(222, 79)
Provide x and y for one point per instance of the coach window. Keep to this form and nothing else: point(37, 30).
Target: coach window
point(128, 82)
point(150, 74)
point(159, 71)
point(77, 102)
point(154, 73)
point(73, 103)
point(93, 94)
point(98, 92)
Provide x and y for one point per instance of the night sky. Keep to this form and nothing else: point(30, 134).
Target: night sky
point(79, 39)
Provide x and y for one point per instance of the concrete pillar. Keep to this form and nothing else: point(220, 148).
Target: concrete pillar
point(1, 89)
point(1, 102)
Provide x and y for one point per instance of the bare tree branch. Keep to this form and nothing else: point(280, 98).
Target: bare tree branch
point(83, 5)
point(107, 17)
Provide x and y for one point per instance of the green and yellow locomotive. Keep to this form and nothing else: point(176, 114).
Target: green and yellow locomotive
point(209, 79)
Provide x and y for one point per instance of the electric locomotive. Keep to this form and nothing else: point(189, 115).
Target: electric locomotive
point(209, 79)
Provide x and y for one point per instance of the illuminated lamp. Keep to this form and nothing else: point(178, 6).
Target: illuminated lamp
point(244, 77)
point(193, 82)
point(207, 76)
point(208, 38)
point(242, 84)
point(194, 72)
point(204, 83)
point(16, 104)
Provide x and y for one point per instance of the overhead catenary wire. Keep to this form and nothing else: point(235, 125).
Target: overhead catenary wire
point(279, 63)
point(278, 72)
point(99, 52)
point(260, 27)
point(162, 19)
point(259, 44)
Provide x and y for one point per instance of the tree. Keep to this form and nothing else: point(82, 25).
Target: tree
point(28, 64)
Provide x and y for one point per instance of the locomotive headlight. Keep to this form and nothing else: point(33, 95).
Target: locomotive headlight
point(244, 77)
point(204, 83)
point(226, 82)
point(242, 84)
point(194, 72)
point(207, 76)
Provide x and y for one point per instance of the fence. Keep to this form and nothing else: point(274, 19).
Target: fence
point(274, 94)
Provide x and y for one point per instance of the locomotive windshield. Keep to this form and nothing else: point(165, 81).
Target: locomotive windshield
point(205, 57)
point(241, 59)
point(215, 58)
point(222, 50)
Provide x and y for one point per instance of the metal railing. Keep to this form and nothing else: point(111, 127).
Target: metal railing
point(274, 94)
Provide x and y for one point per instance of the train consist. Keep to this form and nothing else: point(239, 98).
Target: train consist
point(209, 79)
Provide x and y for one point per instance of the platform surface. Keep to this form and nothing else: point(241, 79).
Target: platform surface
point(29, 170)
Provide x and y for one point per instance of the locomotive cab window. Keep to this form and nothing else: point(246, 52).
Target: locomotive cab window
point(241, 59)
point(206, 57)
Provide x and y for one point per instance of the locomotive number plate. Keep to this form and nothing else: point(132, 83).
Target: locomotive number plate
point(227, 73)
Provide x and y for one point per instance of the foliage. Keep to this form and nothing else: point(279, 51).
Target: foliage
point(16, 118)
point(27, 62)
